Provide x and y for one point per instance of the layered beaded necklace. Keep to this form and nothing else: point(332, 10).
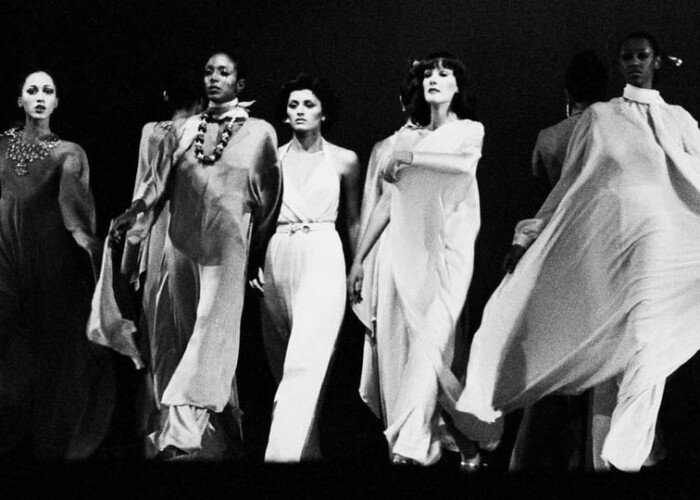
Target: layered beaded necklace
point(199, 141)
point(25, 153)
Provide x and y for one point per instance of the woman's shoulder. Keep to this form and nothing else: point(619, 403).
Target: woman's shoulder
point(259, 125)
point(69, 148)
point(6, 135)
point(681, 114)
point(345, 157)
point(470, 126)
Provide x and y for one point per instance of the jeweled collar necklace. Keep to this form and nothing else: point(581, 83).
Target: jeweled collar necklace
point(25, 153)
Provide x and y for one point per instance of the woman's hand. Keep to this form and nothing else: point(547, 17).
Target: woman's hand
point(512, 258)
point(355, 278)
point(399, 161)
point(122, 223)
point(258, 283)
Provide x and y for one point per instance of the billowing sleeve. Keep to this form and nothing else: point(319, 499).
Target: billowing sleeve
point(373, 184)
point(691, 137)
point(147, 151)
point(148, 181)
point(153, 185)
point(75, 198)
point(265, 182)
point(527, 230)
point(461, 161)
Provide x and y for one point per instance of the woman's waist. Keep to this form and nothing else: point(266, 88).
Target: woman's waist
point(292, 227)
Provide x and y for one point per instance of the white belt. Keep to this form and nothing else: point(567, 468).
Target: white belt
point(304, 227)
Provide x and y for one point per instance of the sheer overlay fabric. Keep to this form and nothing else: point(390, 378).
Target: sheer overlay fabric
point(610, 289)
point(56, 388)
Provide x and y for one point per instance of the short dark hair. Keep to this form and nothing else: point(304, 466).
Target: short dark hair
point(644, 36)
point(586, 78)
point(462, 102)
point(320, 88)
point(235, 56)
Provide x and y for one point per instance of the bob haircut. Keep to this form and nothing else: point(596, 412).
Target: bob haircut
point(463, 101)
point(320, 88)
point(586, 78)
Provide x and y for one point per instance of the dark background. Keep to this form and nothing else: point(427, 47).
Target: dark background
point(110, 60)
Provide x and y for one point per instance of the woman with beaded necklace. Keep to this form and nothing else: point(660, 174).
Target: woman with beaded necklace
point(219, 170)
point(56, 389)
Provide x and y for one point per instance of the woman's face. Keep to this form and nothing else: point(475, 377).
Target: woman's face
point(221, 81)
point(38, 97)
point(638, 62)
point(439, 85)
point(304, 111)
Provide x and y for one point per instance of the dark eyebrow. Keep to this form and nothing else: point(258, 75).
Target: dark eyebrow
point(211, 66)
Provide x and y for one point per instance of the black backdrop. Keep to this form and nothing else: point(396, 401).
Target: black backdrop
point(110, 59)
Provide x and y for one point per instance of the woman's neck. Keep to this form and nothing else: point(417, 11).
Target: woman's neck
point(308, 142)
point(35, 129)
point(440, 114)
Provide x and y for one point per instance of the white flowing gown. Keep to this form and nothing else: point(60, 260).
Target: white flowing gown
point(610, 289)
point(427, 256)
point(304, 300)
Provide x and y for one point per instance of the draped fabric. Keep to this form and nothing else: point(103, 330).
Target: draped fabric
point(426, 258)
point(56, 388)
point(153, 226)
point(220, 216)
point(304, 300)
point(610, 289)
point(366, 311)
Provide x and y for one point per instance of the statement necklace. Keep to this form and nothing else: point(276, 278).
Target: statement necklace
point(25, 153)
point(199, 141)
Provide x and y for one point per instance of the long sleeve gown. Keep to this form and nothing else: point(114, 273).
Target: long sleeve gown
point(427, 256)
point(609, 292)
point(220, 216)
point(56, 388)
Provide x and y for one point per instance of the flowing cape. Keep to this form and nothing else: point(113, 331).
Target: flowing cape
point(611, 287)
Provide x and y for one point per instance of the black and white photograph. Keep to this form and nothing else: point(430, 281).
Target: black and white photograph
point(350, 249)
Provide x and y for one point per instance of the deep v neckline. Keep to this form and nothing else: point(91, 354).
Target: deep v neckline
point(301, 188)
point(301, 200)
point(324, 164)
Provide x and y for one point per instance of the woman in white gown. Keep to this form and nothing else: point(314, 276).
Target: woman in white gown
point(429, 214)
point(304, 279)
point(608, 294)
